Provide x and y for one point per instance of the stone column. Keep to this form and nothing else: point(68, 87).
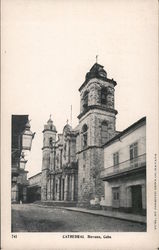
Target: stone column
point(72, 188)
point(24, 194)
point(66, 188)
point(53, 187)
point(62, 189)
point(50, 187)
point(143, 190)
point(14, 194)
point(58, 189)
point(51, 160)
point(44, 185)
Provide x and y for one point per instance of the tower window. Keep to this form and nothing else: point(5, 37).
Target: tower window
point(65, 151)
point(50, 142)
point(85, 100)
point(84, 132)
point(103, 96)
point(104, 132)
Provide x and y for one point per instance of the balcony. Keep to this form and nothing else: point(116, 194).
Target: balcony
point(124, 168)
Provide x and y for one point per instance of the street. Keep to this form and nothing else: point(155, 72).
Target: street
point(34, 218)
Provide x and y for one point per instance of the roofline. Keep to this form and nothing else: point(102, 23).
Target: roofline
point(125, 131)
point(92, 107)
point(35, 175)
point(99, 77)
point(96, 64)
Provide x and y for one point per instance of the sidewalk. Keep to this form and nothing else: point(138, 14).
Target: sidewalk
point(112, 214)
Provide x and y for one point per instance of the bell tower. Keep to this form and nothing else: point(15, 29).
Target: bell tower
point(49, 138)
point(96, 126)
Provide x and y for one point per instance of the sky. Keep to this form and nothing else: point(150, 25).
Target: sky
point(49, 46)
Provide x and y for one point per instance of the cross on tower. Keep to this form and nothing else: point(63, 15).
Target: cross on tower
point(96, 58)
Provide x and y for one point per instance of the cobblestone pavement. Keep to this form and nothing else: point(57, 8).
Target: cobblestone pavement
point(32, 218)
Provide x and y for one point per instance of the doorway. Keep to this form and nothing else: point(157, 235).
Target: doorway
point(115, 197)
point(136, 198)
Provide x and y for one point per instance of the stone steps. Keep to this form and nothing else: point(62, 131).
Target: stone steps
point(57, 203)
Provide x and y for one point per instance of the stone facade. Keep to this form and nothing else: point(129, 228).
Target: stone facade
point(59, 165)
point(72, 163)
point(96, 127)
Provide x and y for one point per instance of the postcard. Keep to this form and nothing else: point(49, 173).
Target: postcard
point(79, 124)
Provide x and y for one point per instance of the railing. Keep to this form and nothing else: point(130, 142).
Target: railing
point(134, 163)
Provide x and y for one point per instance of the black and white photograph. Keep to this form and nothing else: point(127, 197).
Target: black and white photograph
point(79, 124)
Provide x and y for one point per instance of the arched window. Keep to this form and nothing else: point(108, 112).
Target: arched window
point(65, 151)
point(84, 135)
point(50, 142)
point(104, 132)
point(85, 100)
point(103, 95)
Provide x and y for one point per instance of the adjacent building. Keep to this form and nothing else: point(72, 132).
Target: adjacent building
point(21, 141)
point(34, 188)
point(124, 172)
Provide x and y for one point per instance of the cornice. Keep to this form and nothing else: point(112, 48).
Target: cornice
point(114, 111)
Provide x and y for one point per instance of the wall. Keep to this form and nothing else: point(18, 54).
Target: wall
point(122, 146)
point(94, 87)
point(35, 180)
point(124, 184)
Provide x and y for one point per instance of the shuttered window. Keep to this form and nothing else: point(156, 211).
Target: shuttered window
point(133, 150)
point(116, 158)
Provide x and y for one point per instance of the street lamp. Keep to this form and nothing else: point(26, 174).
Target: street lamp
point(27, 137)
point(22, 161)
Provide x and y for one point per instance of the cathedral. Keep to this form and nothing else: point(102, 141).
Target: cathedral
point(72, 161)
point(93, 164)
